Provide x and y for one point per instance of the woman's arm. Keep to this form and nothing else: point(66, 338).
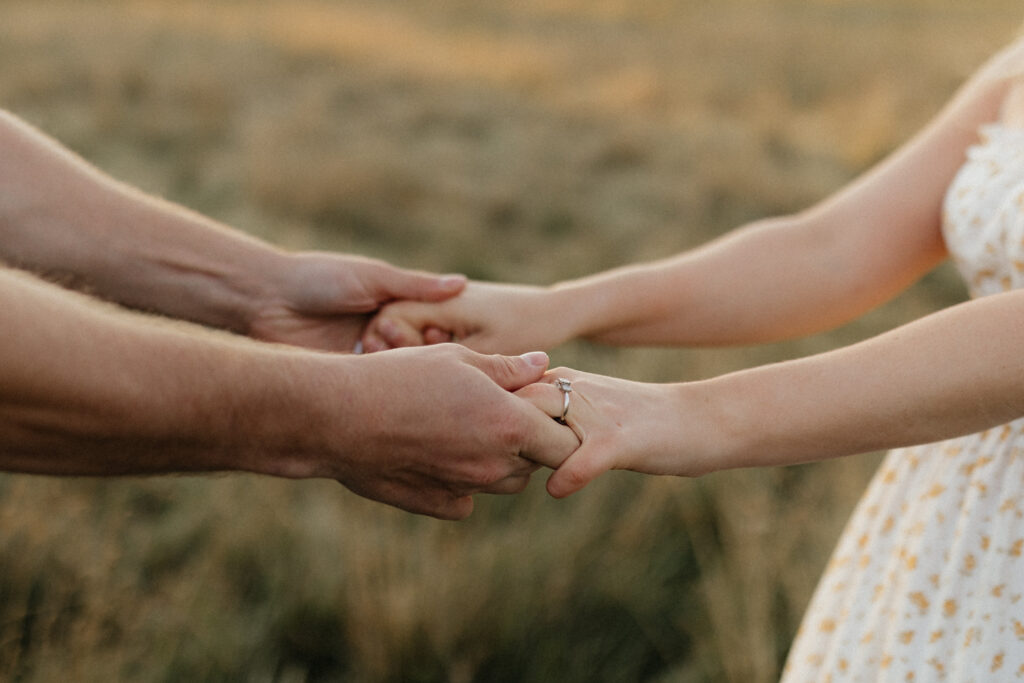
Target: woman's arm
point(774, 279)
point(61, 217)
point(952, 373)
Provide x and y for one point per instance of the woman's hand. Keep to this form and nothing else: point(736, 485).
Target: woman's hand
point(488, 318)
point(948, 374)
point(324, 301)
point(650, 428)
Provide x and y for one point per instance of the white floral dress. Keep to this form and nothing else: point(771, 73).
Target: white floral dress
point(927, 581)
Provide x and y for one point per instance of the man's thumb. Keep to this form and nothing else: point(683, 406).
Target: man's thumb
point(406, 284)
point(515, 372)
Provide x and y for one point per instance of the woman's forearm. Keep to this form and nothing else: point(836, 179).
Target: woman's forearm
point(775, 279)
point(800, 274)
point(952, 373)
point(61, 217)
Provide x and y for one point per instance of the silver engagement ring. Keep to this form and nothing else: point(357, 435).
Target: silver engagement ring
point(565, 386)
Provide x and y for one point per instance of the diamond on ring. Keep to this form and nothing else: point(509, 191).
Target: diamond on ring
point(565, 386)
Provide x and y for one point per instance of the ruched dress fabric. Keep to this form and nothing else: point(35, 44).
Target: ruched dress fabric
point(927, 580)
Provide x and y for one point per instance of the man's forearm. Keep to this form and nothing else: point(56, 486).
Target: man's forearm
point(86, 388)
point(62, 217)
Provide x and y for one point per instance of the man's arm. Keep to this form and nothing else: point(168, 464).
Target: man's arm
point(89, 389)
point(62, 217)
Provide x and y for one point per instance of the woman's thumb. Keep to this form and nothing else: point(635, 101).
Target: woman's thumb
point(578, 470)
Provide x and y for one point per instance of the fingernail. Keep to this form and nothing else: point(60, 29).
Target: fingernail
point(536, 358)
point(452, 281)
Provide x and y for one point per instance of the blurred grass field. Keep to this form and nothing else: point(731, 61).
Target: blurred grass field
point(527, 141)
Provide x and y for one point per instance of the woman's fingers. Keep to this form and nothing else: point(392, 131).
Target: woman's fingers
point(372, 341)
point(435, 335)
point(590, 459)
point(578, 470)
point(392, 332)
point(545, 396)
point(397, 333)
point(408, 323)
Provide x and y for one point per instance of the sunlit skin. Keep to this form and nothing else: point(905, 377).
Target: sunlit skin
point(88, 387)
point(145, 253)
point(774, 279)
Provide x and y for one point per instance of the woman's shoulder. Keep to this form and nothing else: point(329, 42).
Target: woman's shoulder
point(984, 96)
point(1006, 64)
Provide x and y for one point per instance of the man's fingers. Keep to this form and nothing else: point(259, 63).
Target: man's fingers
point(548, 442)
point(454, 509)
point(513, 372)
point(509, 485)
point(447, 508)
point(423, 499)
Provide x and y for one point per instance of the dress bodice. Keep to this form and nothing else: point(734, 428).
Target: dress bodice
point(983, 217)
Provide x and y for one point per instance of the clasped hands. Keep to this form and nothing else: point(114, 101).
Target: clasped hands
point(427, 428)
point(337, 302)
point(619, 424)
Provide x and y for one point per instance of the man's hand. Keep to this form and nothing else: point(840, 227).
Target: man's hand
point(61, 216)
point(324, 301)
point(91, 389)
point(424, 429)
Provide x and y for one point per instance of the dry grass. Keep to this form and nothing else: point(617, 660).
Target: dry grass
point(510, 141)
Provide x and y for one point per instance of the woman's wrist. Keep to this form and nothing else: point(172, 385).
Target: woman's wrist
point(704, 428)
point(617, 305)
point(552, 314)
point(579, 309)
